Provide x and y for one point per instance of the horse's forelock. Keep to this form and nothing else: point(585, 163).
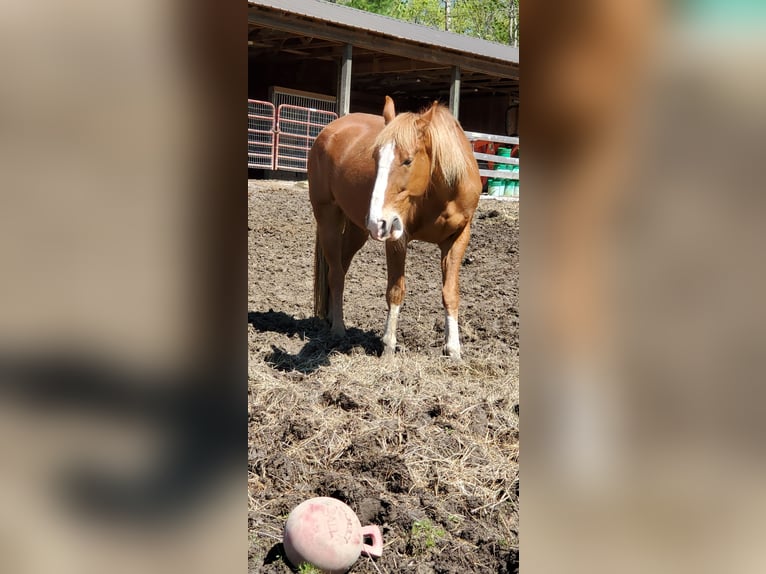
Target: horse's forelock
point(447, 149)
point(448, 155)
point(402, 131)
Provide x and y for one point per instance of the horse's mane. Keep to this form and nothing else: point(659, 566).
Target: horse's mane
point(448, 155)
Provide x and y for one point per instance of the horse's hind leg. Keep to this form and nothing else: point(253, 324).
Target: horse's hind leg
point(396, 255)
point(331, 221)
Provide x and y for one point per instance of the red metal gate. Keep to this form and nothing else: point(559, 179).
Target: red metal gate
point(297, 128)
point(261, 136)
point(281, 138)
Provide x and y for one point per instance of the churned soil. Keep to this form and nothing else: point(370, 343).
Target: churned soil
point(422, 446)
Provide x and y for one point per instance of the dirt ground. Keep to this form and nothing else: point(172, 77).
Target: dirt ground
point(421, 446)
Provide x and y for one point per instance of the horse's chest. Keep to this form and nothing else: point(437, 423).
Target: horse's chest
point(436, 226)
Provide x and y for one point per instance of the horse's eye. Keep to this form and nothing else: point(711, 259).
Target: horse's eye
point(407, 161)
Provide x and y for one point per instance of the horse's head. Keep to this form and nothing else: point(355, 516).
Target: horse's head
point(402, 154)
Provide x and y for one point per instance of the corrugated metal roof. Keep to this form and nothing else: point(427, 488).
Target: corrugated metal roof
point(378, 24)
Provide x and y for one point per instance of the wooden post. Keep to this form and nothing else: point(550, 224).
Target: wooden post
point(344, 81)
point(454, 91)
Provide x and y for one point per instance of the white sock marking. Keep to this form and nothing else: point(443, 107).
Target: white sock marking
point(389, 337)
point(451, 334)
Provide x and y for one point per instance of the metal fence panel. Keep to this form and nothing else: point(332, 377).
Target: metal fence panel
point(297, 128)
point(261, 137)
point(279, 95)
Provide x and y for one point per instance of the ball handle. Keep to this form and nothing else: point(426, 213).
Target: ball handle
point(376, 548)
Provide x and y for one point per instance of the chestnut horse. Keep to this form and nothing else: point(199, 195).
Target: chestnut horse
point(395, 178)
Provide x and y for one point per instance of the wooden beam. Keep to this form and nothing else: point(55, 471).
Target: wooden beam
point(454, 92)
point(392, 66)
point(314, 44)
point(263, 16)
point(344, 81)
point(296, 52)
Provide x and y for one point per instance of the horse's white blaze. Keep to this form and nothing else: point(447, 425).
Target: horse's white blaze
point(385, 159)
point(389, 336)
point(451, 334)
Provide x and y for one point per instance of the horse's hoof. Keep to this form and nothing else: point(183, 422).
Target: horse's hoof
point(388, 351)
point(453, 354)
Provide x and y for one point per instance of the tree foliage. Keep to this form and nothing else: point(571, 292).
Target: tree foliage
point(495, 20)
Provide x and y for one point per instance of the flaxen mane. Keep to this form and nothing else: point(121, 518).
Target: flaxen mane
point(448, 153)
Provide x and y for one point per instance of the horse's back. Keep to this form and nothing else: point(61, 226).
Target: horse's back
point(341, 167)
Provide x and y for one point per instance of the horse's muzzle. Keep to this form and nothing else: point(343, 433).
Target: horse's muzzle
point(386, 228)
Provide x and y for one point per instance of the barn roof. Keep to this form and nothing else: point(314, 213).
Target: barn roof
point(392, 28)
point(389, 56)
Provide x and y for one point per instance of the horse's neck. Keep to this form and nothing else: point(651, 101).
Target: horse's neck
point(435, 200)
point(439, 191)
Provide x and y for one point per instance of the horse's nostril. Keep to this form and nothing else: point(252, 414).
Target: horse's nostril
point(382, 225)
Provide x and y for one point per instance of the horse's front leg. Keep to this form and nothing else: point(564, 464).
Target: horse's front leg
point(396, 254)
point(452, 258)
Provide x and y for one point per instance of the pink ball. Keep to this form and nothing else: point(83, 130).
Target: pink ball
point(326, 533)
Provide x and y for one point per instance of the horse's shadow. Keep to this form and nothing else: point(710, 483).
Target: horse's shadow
point(320, 343)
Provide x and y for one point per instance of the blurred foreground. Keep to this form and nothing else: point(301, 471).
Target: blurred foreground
point(642, 282)
point(122, 304)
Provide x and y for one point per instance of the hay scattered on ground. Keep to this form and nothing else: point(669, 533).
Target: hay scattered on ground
point(422, 446)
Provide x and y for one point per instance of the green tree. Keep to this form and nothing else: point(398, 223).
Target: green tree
point(385, 7)
point(489, 19)
point(425, 12)
point(496, 20)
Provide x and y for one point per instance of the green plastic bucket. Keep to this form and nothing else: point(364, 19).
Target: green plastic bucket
point(496, 187)
point(512, 185)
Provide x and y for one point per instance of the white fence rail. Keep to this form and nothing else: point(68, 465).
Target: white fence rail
point(486, 158)
point(500, 173)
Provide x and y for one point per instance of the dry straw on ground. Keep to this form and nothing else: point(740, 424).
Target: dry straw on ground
point(422, 446)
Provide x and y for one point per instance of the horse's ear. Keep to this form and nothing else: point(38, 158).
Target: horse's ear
point(389, 112)
point(429, 113)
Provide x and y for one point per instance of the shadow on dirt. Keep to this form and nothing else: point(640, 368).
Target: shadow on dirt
point(319, 342)
point(276, 554)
